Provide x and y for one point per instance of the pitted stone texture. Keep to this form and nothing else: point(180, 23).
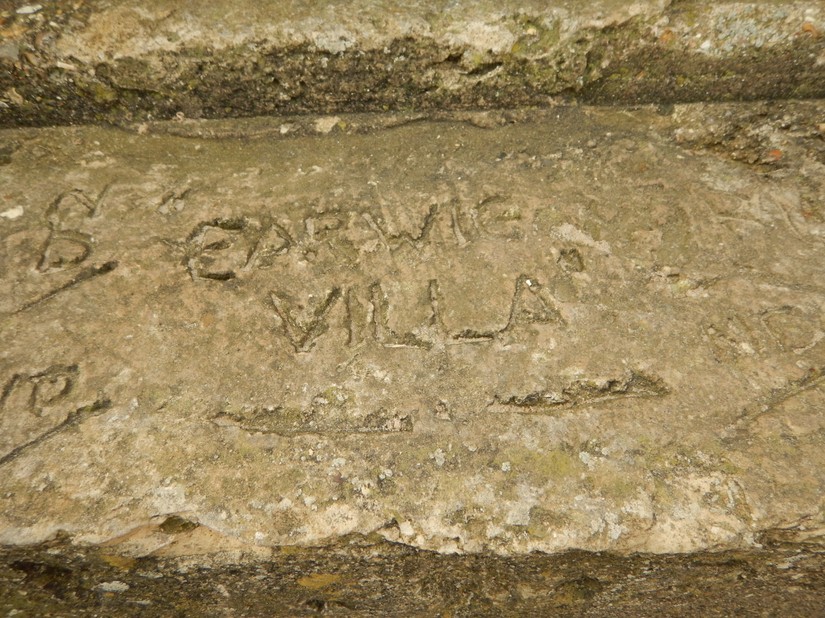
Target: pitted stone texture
point(506, 333)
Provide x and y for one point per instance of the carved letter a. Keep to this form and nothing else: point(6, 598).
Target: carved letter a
point(302, 336)
point(532, 304)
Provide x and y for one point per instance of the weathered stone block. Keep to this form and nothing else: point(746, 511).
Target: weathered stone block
point(505, 333)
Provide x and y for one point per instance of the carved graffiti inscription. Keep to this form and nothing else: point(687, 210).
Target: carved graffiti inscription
point(33, 392)
point(38, 405)
point(65, 254)
point(220, 248)
point(367, 317)
point(454, 300)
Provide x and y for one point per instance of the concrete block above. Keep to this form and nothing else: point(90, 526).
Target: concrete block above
point(116, 61)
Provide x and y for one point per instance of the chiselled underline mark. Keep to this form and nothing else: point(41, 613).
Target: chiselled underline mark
point(84, 275)
point(287, 422)
point(71, 420)
point(587, 393)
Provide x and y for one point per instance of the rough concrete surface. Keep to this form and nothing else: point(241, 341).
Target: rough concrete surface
point(259, 367)
point(490, 351)
point(570, 329)
point(118, 61)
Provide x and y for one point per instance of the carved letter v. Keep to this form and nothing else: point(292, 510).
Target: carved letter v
point(302, 336)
